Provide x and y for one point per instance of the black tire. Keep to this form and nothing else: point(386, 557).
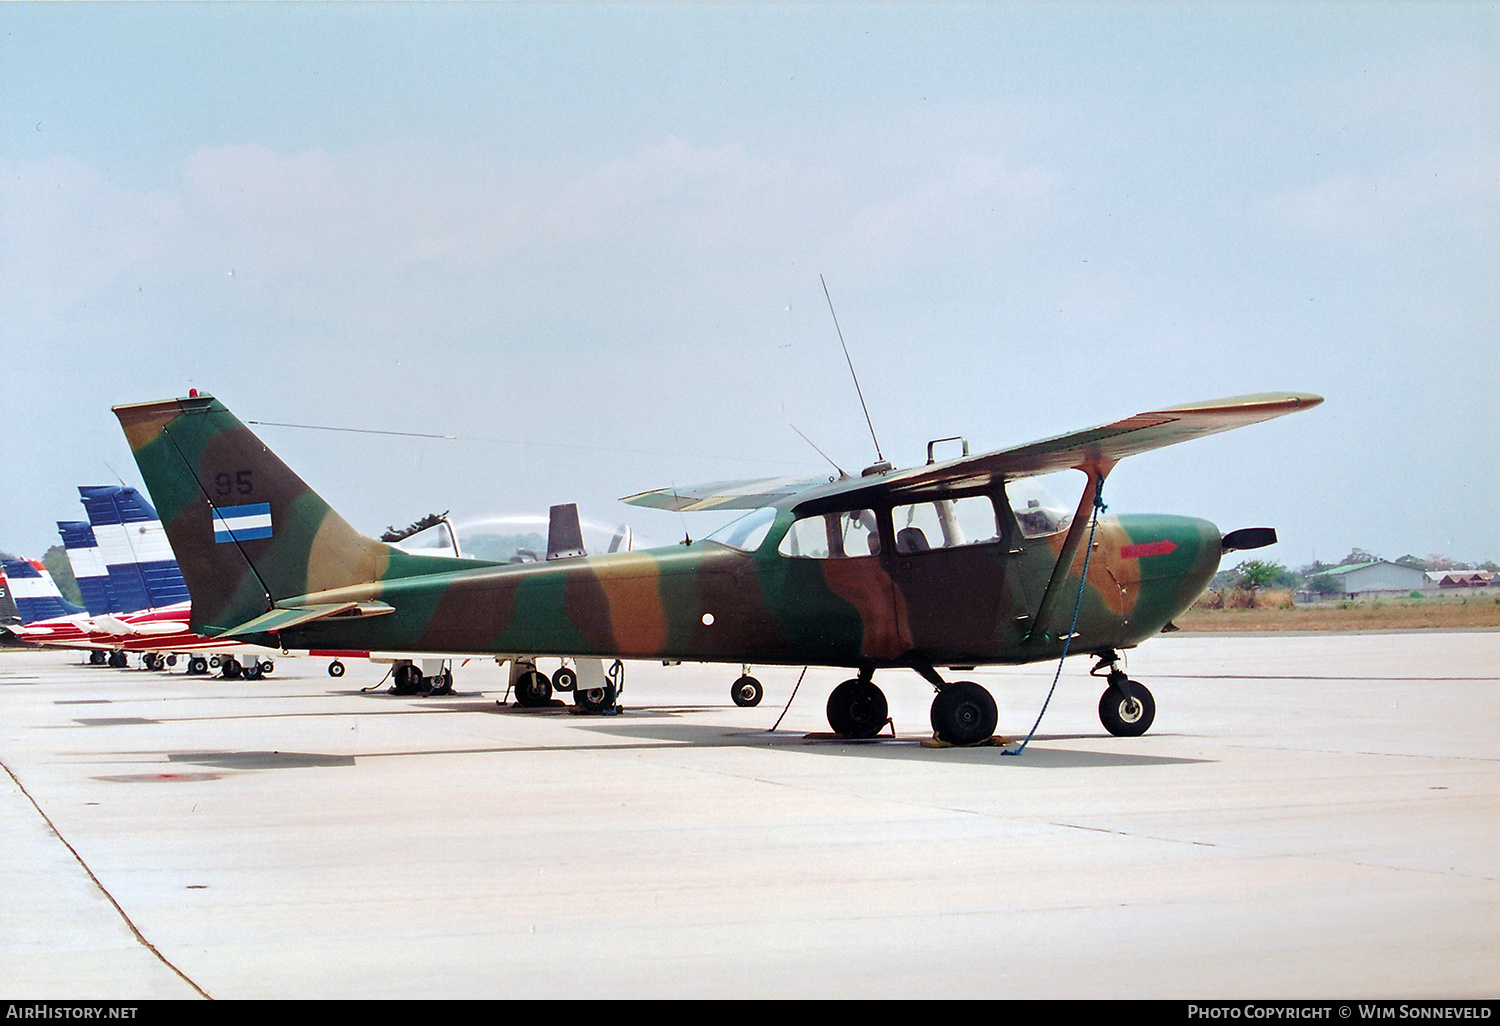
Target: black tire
point(595, 700)
point(98, 657)
point(231, 669)
point(254, 671)
point(857, 709)
point(963, 713)
point(335, 669)
point(267, 668)
point(197, 665)
point(565, 679)
point(746, 692)
point(533, 689)
point(1127, 718)
point(407, 679)
point(117, 659)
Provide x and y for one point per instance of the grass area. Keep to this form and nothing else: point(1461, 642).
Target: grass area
point(1442, 612)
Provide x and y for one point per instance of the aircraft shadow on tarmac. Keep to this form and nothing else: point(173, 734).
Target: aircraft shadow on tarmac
point(665, 735)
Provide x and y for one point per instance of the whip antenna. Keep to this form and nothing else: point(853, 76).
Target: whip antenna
point(880, 458)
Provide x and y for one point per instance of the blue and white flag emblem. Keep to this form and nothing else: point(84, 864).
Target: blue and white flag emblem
point(242, 523)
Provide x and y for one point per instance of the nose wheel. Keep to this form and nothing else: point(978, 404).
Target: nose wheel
point(1126, 708)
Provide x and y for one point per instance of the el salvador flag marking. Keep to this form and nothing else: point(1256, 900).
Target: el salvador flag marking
point(242, 523)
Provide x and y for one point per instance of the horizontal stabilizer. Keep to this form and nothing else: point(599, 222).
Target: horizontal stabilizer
point(282, 619)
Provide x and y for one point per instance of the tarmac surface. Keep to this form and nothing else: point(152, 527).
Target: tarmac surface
point(1311, 816)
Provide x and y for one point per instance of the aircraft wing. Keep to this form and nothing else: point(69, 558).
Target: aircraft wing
point(1105, 444)
point(750, 494)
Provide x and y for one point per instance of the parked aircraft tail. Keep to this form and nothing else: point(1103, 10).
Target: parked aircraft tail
point(35, 593)
point(143, 572)
point(259, 549)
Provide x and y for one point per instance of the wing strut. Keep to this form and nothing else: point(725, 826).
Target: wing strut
point(1096, 470)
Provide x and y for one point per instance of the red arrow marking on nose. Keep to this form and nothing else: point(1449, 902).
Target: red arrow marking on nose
point(1156, 548)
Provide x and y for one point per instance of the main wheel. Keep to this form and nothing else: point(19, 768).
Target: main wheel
point(964, 713)
point(533, 689)
point(746, 691)
point(1127, 717)
point(408, 679)
point(254, 671)
point(197, 664)
point(857, 709)
point(335, 669)
point(565, 679)
point(595, 700)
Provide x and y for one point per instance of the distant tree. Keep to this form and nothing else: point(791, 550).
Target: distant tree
point(56, 562)
point(1357, 556)
point(1438, 561)
point(1410, 560)
point(1255, 574)
point(1325, 584)
point(1490, 565)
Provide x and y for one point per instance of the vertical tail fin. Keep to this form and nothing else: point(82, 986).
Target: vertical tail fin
point(247, 531)
point(134, 544)
point(35, 593)
point(8, 611)
point(88, 567)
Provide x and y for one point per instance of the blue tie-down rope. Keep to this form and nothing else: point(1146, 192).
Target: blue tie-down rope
point(1099, 509)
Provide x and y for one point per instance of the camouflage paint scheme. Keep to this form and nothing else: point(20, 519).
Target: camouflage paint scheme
point(307, 579)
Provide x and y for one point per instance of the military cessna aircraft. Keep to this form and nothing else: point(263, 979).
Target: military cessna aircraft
point(927, 567)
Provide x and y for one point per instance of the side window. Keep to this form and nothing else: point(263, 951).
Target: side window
point(944, 524)
point(833, 536)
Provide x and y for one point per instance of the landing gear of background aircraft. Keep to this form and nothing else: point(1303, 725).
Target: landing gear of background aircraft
point(197, 665)
point(533, 689)
point(335, 669)
point(1126, 708)
point(565, 679)
point(963, 713)
point(442, 683)
point(407, 679)
point(117, 659)
point(603, 699)
point(98, 657)
point(857, 708)
point(594, 700)
point(747, 691)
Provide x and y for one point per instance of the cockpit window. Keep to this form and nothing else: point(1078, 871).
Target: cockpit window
point(833, 536)
point(747, 532)
point(1038, 513)
point(944, 524)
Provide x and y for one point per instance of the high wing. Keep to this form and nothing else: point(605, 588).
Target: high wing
point(749, 494)
point(1103, 445)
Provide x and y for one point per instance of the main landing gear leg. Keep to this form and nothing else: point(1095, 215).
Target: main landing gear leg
point(1126, 708)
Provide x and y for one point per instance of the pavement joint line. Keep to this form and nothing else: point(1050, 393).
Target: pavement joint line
point(124, 917)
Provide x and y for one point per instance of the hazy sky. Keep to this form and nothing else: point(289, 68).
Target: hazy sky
point(585, 240)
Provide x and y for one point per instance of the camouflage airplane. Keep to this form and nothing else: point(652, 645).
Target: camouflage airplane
point(942, 565)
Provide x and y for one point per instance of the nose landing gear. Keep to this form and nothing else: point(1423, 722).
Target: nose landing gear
point(1126, 708)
